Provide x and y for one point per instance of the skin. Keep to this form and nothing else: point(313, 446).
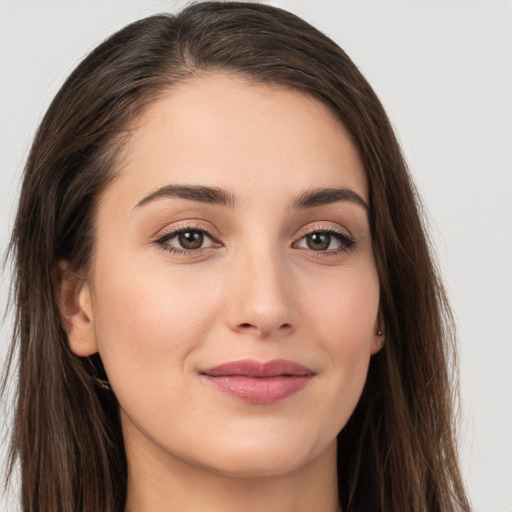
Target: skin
point(254, 290)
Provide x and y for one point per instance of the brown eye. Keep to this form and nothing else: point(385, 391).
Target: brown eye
point(318, 241)
point(183, 240)
point(327, 241)
point(191, 239)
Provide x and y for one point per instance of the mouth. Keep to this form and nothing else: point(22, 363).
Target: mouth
point(259, 383)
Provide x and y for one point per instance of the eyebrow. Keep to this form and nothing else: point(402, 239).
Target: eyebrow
point(323, 196)
point(221, 197)
point(210, 195)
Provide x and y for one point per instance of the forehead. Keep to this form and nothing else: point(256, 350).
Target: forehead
point(247, 137)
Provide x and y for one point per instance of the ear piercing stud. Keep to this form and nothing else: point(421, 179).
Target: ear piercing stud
point(380, 342)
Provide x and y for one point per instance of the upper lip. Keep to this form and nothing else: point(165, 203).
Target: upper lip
point(256, 369)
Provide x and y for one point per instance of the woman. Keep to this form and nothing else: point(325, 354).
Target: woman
point(232, 303)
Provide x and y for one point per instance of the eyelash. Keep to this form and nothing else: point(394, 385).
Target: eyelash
point(163, 240)
point(347, 242)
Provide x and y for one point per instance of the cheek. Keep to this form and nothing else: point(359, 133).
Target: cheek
point(147, 324)
point(344, 308)
point(344, 317)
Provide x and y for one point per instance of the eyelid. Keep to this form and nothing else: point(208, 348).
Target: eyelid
point(172, 235)
point(326, 228)
point(161, 238)
point(346, 240)
point(188, 225)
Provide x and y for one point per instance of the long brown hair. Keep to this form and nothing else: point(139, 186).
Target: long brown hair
point(397, 451)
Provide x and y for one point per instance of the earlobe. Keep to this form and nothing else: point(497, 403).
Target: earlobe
point(378, 341)
point(75, 305)
point(379, 336)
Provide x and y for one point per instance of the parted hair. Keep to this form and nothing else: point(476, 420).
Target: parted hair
point(398, 450)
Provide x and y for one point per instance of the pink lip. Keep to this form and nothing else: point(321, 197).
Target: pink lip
point(259, 383)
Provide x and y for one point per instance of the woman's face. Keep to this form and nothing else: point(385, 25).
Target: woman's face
point(233, 295)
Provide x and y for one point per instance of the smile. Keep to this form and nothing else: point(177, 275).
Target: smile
point(259, 383)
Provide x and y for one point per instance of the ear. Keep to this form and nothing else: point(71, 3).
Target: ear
point(75, 305)
point(379, 336)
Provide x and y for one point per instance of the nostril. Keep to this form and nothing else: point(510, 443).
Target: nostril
point(265, 327)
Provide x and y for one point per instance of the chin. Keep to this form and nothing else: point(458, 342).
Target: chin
point(246, 459)
point(258, 466)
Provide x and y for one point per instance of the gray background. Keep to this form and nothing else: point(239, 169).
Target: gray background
point(443, 70)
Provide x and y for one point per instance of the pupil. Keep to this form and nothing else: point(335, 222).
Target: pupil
point(319, 241)
point(191, 239)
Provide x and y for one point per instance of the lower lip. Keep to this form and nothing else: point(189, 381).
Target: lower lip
point(259, 391)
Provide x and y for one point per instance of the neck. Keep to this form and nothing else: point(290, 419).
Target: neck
point(170, 484)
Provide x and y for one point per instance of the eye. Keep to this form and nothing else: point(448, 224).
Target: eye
point(326, 241)
point(186, 239)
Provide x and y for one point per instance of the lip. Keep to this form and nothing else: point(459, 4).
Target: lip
point(259, 383)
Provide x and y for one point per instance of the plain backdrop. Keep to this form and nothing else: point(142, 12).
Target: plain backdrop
point(443, 70)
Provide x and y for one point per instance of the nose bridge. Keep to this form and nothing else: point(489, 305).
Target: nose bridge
point(260, 295)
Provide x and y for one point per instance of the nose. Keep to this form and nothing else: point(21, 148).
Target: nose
point(260, 296)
